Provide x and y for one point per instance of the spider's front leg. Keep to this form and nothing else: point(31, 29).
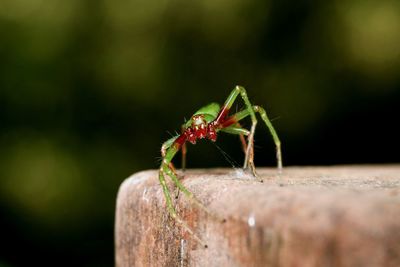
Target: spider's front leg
point(170, 149)
point(250, 139)
point(170, 207)
point(275, 137)
point(165, 146)
point(168, 171)
point(250, 110)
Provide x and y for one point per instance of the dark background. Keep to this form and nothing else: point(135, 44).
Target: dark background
point(90, 89)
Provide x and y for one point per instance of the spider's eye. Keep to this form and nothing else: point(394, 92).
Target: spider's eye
point(197, 120)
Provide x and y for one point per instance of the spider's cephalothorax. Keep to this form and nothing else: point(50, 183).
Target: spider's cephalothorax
point(205, 123)
point(200, 129)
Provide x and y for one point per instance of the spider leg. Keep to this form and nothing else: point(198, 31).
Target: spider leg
point(244, 113)
point(242, 139)
point(243, 132)
point(166, 170)
point(169, 149)
point(225, 122)
point(165, 146)
point(189, 194)
point(184, 152)
point(237, 129)
point(171, 208)
point(275, 137)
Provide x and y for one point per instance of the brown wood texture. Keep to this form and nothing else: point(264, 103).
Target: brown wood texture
point(309, 216)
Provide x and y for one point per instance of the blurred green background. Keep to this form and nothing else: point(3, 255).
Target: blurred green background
point(90, 89)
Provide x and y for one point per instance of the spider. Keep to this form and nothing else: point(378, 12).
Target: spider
point(206, 123)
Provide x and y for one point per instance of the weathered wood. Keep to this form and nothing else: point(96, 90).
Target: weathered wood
point(310, 216)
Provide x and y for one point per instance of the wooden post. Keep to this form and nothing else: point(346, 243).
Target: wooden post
point(310, 216)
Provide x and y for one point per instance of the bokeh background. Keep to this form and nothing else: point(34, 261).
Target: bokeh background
point(90, 89)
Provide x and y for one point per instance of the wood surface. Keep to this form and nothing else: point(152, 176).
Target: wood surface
point(308, 216)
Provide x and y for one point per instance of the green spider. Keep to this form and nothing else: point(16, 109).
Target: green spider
point(206, 123)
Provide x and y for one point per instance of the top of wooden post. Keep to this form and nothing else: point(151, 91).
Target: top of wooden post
point(309, 216)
